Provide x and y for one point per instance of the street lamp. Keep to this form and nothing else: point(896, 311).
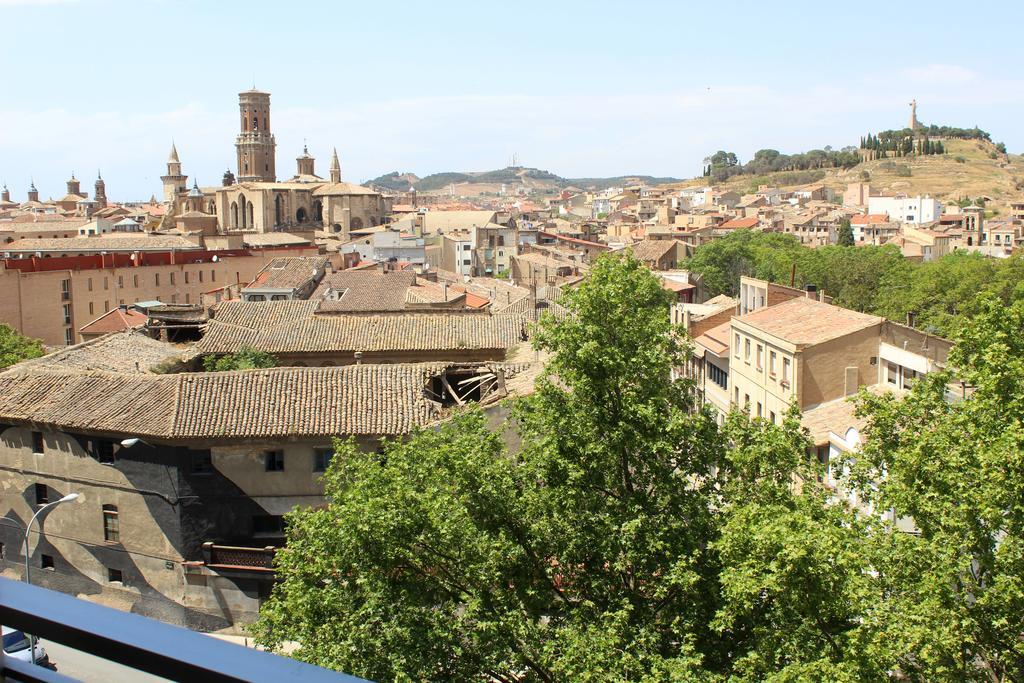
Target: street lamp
point(28, 567)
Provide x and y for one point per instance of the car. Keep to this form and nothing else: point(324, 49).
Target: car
point(16, 646)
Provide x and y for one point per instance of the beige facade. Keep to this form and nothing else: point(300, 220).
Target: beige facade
point(52, 305)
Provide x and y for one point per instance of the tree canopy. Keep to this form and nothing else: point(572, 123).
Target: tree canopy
point(15, 347)
point(246, 358)
point(631, 537)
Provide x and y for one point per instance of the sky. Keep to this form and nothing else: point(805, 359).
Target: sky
point(576, 88)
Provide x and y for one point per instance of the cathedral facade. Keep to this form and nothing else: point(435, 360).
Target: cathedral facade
point(258, 202)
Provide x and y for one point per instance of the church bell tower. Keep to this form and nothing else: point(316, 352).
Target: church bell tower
point(255, 143)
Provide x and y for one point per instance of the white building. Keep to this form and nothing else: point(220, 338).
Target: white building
point(904, 209)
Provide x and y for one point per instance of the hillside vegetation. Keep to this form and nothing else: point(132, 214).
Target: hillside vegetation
point(512, 177)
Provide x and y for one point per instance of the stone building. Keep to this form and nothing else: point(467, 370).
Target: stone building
point(258, 202)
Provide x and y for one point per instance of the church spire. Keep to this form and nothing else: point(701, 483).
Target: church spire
point(173, 159)
point(335, 167)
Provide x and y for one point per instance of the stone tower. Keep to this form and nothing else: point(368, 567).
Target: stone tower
point(305, 162)
point(101, 192)
point(174, 182)
point(255, 143)
point(33, 193)
point(335, 167)
point(913, 116)
point(5, 194)
point(195, 198)
point(74, 187)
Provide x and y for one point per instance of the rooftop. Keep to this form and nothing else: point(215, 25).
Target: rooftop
point(120, 351)
point(114, 321)
point(289, 272)
point(107, 243)
point(805, 322)
point(357, 399)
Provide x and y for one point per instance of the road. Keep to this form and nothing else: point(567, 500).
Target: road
point(90, 669)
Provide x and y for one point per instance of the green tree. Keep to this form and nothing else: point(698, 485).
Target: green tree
point(15, 347)
point(583, 556)
point(956, 590)
point(845, 237)
point(246, 358)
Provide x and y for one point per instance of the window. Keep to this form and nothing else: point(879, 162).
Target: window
point(114, 575)
point(68, 337)
point(172, 278)
point(37, 442)
point(46, 561)
point(120, 282)
point(322, 458)
point(42, 494)
point(89, 281)
point(760, 357)
point(785, 370)
point(106, 305)
point(213, 276)
point(91, 311)
point(746, 350)
point(135, 280)
point(771, 363)
point(909, 376)
point(746, 401)
point(158, 279)
point(736, 395)
point(65, 289)
point(267, 524)
point(892, 372)
point(111, 525)
point(200, 276)
point(274, 460)
point(186, 277)
point(67, 314)
point(718, 375)
point(103, 451)
point(202, 462)
point(736, 347)
point(106, 283)
point(771, 415)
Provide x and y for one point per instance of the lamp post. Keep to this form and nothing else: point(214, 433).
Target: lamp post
point(28, 567)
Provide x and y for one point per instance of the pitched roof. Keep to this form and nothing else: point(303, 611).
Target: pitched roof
point(364, 291)
point(716, 340)
point(652, 251)
point(869, 219)
point(806, 322)
point(113, 321)
point(749, 222)
point(289, 272)
point(269, 239)
point(284, 329)
point(108, 243)
point(120, 351)
point(356, 399)
point(341, 189)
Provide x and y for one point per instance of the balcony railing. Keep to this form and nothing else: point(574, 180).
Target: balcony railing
point(234, 557)
point(137, 642)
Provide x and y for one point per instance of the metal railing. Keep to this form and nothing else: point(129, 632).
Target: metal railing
point(238, 557)
point(137, 642)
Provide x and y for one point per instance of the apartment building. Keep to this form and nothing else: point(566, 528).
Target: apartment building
point(51, 298)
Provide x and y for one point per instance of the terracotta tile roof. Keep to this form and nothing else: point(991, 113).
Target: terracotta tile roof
point(247, 404)
point(716, 340)
point(652, 251)
point(271, 239)
point(364, 291)
point(295, 329)
point(104, 243)
point(122, 351)
point(837, 416)
point(341, 189)
point(749, 222)
point(869, 219)
point(289, 272)
point(805, 322)
point(114, 321)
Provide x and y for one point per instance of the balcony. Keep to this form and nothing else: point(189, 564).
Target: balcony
point(234, 557)
point(137, 642)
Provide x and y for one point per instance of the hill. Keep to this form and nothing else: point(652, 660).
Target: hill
point(969, 169)
point(512, 177)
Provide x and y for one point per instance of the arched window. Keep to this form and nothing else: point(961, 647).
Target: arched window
point(318, 210)
point(241, 210)
point(211, 208)
point(278, 211)
point(111, 524)
point(300, 215)
point(356, 223)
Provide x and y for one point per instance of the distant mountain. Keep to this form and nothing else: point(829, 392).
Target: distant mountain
point(511, 177)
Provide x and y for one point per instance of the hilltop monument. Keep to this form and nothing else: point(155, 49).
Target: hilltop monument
point(913, 116)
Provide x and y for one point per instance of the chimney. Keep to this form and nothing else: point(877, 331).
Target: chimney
point(444, 289)
point(359, 357)
point(812, 291)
